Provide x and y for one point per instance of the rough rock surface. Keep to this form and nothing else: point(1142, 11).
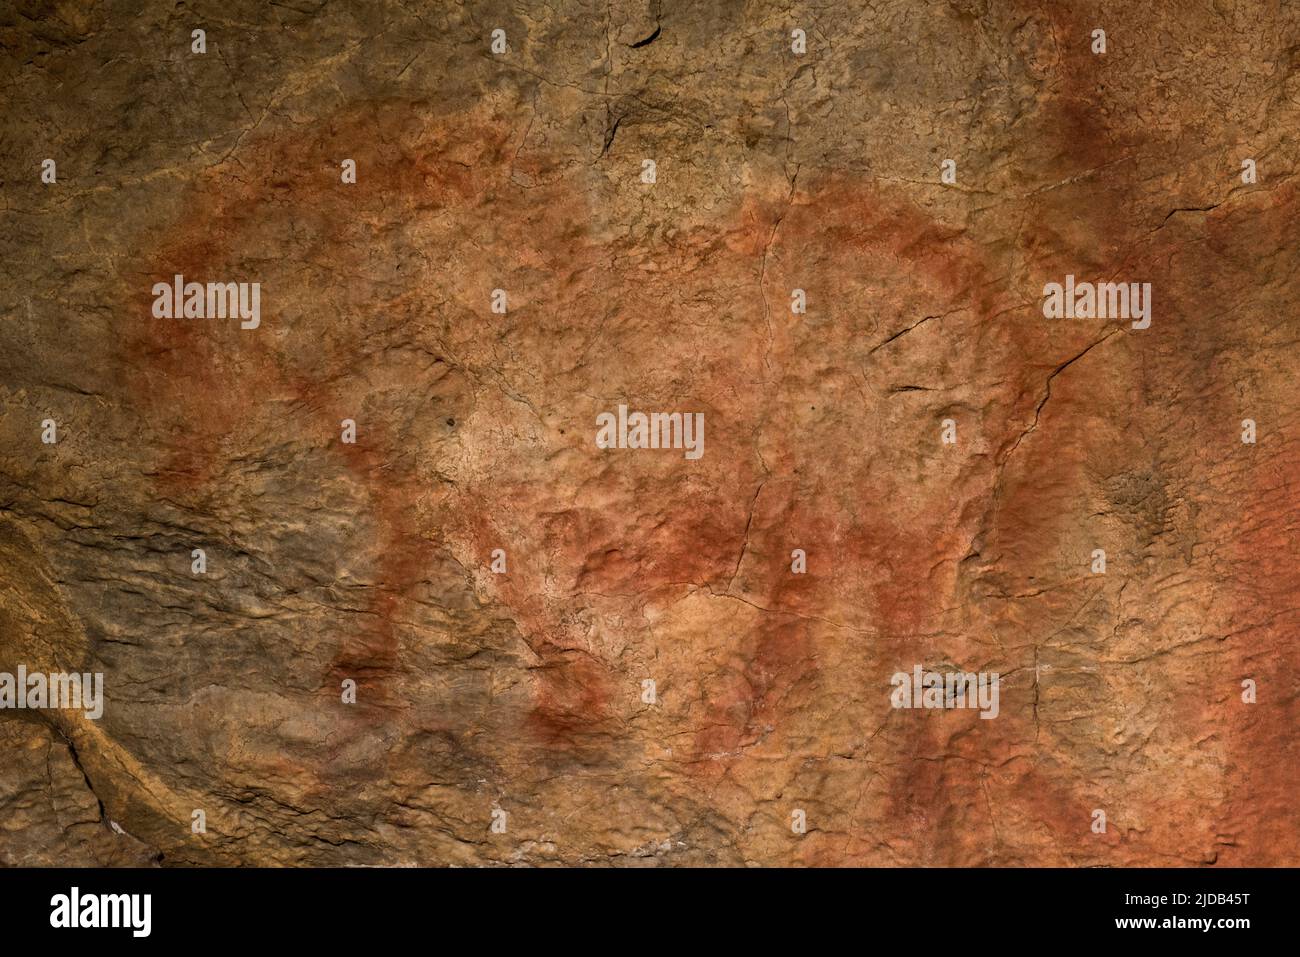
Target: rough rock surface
point(523, 692)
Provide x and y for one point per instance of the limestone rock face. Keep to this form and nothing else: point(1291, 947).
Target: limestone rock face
point(945, 458)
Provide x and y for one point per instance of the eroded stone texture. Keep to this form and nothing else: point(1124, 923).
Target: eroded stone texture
point(475, 431)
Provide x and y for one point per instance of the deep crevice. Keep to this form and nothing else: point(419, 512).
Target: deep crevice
point(76, 760)
point(648, 40)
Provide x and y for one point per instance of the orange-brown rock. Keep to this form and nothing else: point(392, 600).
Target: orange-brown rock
point(523, 691)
